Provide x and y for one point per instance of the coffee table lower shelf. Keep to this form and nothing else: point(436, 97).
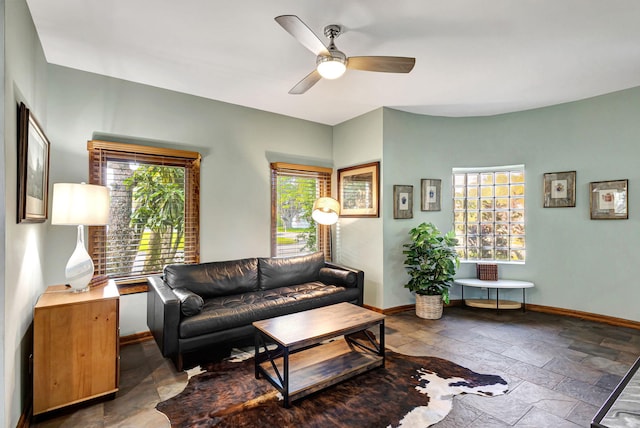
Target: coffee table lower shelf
point(316, 368)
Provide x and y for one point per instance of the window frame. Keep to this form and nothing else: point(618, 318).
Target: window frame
point(324, 177)
point(100, 152)
point(510, 211)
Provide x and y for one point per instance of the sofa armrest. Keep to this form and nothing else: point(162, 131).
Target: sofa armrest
point(359, 278)
point(163, 315)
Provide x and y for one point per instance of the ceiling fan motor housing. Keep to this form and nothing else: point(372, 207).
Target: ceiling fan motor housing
point(332, 31)
point(334, 65)
point(336, 55)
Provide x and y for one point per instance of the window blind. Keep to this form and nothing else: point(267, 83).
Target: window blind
point(307, 183)
point(124, 250)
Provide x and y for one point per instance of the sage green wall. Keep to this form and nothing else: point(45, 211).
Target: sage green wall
point(359, 240)
point(23, 244)
point(237, 144)
point(576, 263)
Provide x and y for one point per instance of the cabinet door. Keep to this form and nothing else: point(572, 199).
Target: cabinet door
point(75, 353)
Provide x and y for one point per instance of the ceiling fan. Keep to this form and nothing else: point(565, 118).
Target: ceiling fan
point(332, 63)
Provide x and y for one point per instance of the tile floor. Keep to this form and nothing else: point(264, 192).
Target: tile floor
point(560, 370)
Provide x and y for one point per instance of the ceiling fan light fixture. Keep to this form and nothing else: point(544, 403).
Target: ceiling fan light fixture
point(331, 67)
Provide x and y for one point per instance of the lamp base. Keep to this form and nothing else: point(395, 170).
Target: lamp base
point(79, 270)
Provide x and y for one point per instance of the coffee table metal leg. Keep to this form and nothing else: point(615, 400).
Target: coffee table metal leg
point(256, 341)
point(260, 357)
point(285, 377)
point(382, 352)
point(369, 343)
point(524, 309)
point(281, 380)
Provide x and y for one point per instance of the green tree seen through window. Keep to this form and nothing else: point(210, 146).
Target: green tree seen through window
point(158, 208)
point(294, 189)
point(296, 196)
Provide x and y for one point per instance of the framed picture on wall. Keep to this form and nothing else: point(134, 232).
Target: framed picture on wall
point(358, 190)
point(609, 200)
point(559, 189)
point(430, 194)
point(33, 169)
point(402, 201)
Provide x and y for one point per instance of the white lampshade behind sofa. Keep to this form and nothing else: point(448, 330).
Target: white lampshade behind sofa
point(326, 211)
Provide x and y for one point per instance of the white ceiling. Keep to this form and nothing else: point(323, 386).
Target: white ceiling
point(473, 57)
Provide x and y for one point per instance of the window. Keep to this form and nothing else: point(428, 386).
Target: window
point(294, 189)
point(488, 213)
point(154, 214)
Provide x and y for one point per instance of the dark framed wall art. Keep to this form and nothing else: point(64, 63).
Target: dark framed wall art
point(560, 189)
point(33, 169)
point(358, 190)
point(430, 189)
point(609, 200)
point(402, 201)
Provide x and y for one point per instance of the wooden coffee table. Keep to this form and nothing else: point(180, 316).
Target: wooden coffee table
point(304, 361)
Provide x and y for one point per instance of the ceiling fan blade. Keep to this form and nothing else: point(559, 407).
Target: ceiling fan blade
point(385, 64)
point(305, 84)
point(298, 29)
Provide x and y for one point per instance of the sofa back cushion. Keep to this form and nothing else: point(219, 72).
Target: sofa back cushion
point(215, 278)
point(280, 272)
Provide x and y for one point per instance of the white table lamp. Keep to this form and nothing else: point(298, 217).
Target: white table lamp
point(79, 205)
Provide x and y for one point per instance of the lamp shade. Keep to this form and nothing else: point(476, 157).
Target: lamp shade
point(326, 210)
point(80, 204)
point(331, 67)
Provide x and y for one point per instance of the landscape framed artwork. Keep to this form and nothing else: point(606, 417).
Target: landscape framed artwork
point(559, 189)
point(609, 200)
point(402, 201)
point(33, 169)
point(430, 194)
point(358, 190)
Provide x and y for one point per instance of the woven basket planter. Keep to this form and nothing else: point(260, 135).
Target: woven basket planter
point(429, 307)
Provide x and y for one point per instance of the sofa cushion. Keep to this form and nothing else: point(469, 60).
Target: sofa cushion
point(281, 272)
point(215, 278)
point(190, 303)
point(223, 313)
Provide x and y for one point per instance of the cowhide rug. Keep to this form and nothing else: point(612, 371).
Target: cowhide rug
point(407, 392)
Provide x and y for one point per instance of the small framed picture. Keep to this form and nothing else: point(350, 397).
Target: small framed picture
point(33, 168)
point(609, 200)
point(402, 201)
point(430, 194)
point(560, 189)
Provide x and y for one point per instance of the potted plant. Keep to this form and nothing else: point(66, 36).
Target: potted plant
point(431, 261)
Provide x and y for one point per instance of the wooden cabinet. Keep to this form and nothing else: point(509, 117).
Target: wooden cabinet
point(76, 346)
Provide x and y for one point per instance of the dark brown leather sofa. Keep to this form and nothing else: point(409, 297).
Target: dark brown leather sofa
point(195, 306)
